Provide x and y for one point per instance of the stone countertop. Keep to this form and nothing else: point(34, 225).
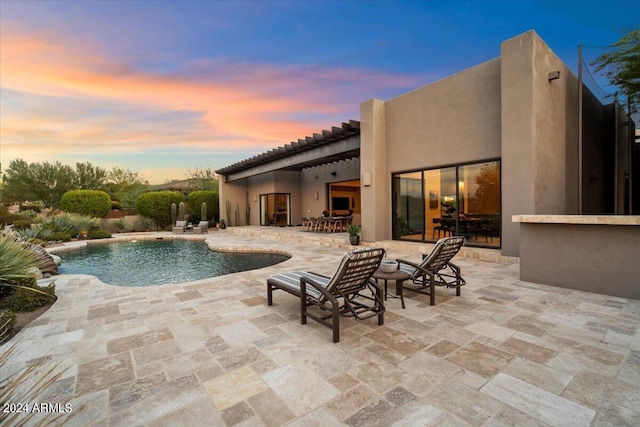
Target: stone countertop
point(578, 219)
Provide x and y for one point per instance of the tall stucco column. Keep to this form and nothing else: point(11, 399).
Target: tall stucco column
point(374, 179)
point(539, 135)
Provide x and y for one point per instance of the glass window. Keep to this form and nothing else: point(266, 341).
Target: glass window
point(479, 192)
point(459, 200)
point(409, 215)
point(274, 209)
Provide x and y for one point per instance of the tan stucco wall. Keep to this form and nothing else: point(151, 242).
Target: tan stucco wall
point(236, 193)
point(315, 180)
point(454, 120)
point(290, 182)
point(376, 198)
point(505, 108)
point(587, 257)
point(539, 135)
point(257, 185)
point(274, 182)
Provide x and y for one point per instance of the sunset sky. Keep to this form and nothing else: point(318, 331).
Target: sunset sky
point(164, 87)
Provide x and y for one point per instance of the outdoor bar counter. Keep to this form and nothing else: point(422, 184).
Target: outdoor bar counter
point(593, 253)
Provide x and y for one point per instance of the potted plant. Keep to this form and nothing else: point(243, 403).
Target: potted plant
point(223, 224)
point(354, 231)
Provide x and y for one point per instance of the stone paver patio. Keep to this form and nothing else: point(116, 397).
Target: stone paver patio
point(213, 353)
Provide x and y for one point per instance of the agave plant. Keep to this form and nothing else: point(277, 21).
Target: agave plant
point(20, 257)
point(84, 224)
point(30, 234)
point(15, 261)
point(59, 223)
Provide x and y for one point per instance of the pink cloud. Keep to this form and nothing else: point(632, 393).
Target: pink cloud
point(85, 99)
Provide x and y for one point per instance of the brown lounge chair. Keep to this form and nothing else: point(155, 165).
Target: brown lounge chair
point(339, 295)
point(436, 268)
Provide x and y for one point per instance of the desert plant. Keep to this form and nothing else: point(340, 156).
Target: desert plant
point(228, 209)
point(30, 234)
point(174, 213)
point(353, 230)
point(181, 209)
point(86, 202)
point(99, 234)
point(119, 225)
point(28, 213)
point(84, 224)
point(144, 224)
point(55, 236)
point(28, 296)
point(15, 261)
point(59, 223)
point(7, 320)
point(203, 211)
point(237, 213)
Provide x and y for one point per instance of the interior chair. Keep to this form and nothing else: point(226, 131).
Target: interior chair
point(436, 269)
point(351, 292)
point(202, 227)
point(180, 227)
point(306, 223)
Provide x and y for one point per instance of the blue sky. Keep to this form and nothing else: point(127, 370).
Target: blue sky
point(164, 87)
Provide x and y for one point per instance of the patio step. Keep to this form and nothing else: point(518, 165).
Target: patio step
point(341, 240)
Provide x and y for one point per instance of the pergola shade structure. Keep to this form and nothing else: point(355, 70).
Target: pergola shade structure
point(339, 143)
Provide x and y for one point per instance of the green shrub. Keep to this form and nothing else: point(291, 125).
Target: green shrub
point(22, 223)
point(196, 198)
point(28, 213)
point(86, 202)
point(57, 236)
point(144, 224)
point(28, 299)
point(99, 234)
point(6, 217)
point(157, 205)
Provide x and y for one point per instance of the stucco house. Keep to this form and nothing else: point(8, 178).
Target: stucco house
point(458, 156)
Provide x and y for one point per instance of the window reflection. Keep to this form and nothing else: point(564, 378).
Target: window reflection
point(460, 200)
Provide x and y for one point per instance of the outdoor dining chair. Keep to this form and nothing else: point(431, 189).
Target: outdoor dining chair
point(350, 292)
point(436, 269)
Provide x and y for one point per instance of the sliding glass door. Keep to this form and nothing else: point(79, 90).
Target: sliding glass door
point(457, 200)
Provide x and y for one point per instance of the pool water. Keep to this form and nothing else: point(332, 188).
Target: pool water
point(158, 262)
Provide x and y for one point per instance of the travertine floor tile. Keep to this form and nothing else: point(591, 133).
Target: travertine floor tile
point(538, 403)
point(211, 352)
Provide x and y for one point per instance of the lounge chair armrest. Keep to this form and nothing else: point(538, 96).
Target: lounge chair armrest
point(412, 264)
point(404, 261)
point(308, 281)
point(319, 274)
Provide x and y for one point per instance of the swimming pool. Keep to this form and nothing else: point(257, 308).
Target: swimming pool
point(158, 262)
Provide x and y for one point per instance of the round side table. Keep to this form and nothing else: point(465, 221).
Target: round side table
point(399, 276)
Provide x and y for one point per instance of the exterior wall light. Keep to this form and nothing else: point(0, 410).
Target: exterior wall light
point(554, 75)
